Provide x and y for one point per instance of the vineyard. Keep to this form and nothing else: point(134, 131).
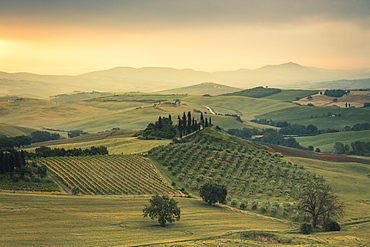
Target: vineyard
point(105, 175)
point(255, 178)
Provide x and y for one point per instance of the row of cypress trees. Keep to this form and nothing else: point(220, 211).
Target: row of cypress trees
point(164, 127)
point(188, 124)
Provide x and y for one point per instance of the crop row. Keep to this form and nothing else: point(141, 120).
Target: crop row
point(121, 174)
point(247, 173)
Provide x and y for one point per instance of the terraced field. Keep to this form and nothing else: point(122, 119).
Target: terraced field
point(107, 175)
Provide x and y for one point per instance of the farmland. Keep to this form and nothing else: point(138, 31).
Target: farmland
point(262, 182)
point(118, 221)
point(326, 141)
point(117, 142)
point(114, 188)
point(113, 221)
point(94, 175)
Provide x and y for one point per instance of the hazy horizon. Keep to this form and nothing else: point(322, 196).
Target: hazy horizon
point(74, 37)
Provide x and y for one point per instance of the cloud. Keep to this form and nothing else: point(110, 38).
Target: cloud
point(169, 13)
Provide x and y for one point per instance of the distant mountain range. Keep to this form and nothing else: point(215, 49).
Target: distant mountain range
point(153, 79)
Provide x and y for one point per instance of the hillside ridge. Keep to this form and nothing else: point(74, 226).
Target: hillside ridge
point(151, 79)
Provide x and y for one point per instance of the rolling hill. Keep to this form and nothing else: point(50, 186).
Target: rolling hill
point(135, 111)
point(150, 79)
point(254, 175)
point(354, 98)
point(14, 130)
point(202, 88)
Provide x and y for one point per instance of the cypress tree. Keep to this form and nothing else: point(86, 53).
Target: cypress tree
point(201, 123)
point(194, 125)
point(184, 123)
point(189, 126)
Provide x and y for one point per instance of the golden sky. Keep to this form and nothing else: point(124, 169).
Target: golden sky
point(73, 37)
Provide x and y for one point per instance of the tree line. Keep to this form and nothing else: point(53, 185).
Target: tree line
point(57, 152)
point(294, 129)
point(189, 124)
point(12, 160)
point(23, 140)
point(34, 137)
point(356, 148)
point(291, 129)
point(299, 129)
point(336, 92)
point(268, 135)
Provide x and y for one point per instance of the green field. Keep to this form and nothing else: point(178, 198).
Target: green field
point(135, 111)
point(349, 180)
point(291, 95)
point(326, 141)
point(318, 116)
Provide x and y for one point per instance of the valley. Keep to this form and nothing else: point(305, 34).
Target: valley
point(98, 199)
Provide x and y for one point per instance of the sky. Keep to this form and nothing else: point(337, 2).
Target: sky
point(77, 36)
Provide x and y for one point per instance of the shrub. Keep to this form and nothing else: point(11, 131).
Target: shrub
point(263, 208)
point(75, 190)
point(306, 228)
point(331, 226)
point(254, 205)
point(243, 205)
point(274, 211)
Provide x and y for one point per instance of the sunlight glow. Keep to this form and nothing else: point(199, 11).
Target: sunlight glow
point(4, 45)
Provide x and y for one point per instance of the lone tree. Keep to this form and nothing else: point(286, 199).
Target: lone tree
point(163, 208)
point(320, 203)
point(212, 193)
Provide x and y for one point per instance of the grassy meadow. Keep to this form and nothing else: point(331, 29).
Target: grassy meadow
point(291, 95)
point(349, 180)
point(58, 220)
point(326, 141)
point(319, 116)
point(135, 111)
point(35, 219)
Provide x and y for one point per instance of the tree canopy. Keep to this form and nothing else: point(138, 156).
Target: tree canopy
point(212, 193)
point(320, 203)
point(162, 128)
point(163, 208)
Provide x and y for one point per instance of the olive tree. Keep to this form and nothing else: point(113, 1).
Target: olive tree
point(163, 208)
point(212, 193)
